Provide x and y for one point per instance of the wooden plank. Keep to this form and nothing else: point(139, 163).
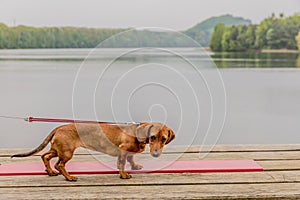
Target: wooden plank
point(280, 165)
point(233, 148)
point(218, 191)
point(154, 179)
point(281, 155)
point(266, 164)
point(252, 147)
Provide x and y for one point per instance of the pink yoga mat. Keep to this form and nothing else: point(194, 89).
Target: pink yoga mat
point(191, 166)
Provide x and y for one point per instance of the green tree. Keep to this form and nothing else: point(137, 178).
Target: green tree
point(270, 37)
point(216, 39)
point(226, 39)
point(250, 36)
point(261, 32)
point(241, 40)
point(3, 30)
point(298, 40)
point(292, 27)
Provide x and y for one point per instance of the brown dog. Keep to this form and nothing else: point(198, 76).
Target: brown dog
point(113, 139)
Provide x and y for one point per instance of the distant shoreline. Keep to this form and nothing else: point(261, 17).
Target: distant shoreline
point(279, 51)
point(207, 49)
point(259, 50)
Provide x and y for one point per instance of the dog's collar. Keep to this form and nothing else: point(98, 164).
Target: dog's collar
point(136, 123)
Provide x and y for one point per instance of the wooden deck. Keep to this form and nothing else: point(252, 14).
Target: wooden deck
point(280, 179)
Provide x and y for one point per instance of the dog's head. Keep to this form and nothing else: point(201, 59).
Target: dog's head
point(157, 135)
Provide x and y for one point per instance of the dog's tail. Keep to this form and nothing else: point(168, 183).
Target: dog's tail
point(39, 148)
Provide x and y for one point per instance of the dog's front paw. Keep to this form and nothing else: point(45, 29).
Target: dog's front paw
point(136, 167)
point(125, 175)
point(52, 172)
point(71, 178)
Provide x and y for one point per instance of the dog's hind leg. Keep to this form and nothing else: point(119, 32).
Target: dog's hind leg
point(60, 165)
point(46, 157)
point(56, 165)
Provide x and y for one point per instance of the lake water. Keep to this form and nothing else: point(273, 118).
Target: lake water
point(246, 101)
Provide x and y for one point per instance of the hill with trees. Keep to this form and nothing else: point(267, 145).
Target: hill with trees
point(272, 33)
point(202, 32)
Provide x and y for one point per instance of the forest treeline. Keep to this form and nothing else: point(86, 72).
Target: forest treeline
point(20, 37)
point(52, 37)
point(272, 33)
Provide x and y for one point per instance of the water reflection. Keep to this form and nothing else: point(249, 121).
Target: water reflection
point(298, 62)
point(256, 60)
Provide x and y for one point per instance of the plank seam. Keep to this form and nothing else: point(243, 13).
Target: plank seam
point(151, 184)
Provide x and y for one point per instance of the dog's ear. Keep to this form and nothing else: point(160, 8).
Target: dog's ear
point(143, 132)
point(171, 136)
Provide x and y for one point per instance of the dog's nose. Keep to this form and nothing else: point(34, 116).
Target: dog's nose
point(155, 154)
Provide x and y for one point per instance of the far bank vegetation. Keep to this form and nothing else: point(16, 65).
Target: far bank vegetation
point(272, 33)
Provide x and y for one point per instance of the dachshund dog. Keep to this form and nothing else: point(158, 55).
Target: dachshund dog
point(123, 141)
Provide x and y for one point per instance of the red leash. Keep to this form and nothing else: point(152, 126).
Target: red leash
point(38, 119)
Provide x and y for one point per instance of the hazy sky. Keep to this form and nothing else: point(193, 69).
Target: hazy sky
point(173, 14)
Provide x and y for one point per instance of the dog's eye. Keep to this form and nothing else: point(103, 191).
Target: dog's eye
point(163, 139)
point(152, 137)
